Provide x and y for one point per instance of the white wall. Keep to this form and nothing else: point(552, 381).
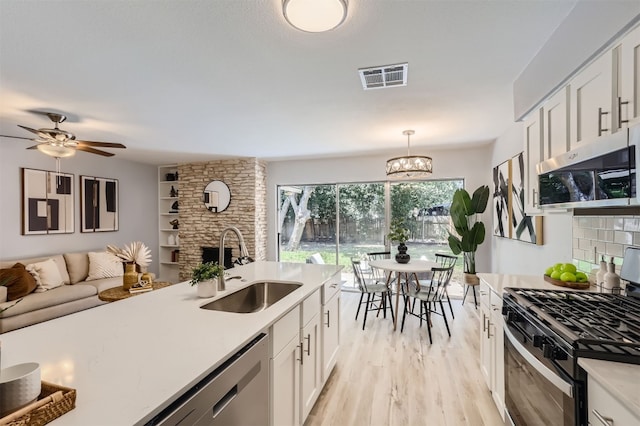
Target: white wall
point(472, 164)
point(512, 256)
point(137, 203)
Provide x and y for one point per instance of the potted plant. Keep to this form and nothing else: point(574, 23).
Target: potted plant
point(204, 275)
point(400, 234)
point(471, 231)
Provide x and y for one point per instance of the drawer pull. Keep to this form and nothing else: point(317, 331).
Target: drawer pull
point(328, 324)
point(308, 344)
point(606, 421)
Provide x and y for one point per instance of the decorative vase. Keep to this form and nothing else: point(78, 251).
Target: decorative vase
point(402, 256)
point(207, 288)
point(130, 277)
point(611, 279)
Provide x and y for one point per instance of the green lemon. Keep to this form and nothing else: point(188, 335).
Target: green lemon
point(581, 274)
point(568, 276)
point(555, 275)
point(569, 267)
point(558, 267)
point(549, 271)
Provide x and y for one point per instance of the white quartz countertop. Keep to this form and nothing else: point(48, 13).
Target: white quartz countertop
point(129, 359)
point(621, 380)
point(498, 282)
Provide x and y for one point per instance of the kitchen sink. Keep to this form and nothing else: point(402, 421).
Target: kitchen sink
point(254, 298)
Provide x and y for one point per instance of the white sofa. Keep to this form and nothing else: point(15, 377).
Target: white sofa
point(75, 295)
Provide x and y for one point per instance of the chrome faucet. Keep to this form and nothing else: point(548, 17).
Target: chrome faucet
point(244, 253)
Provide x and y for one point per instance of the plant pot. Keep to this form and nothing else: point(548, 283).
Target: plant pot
point(207, 288)
point(471, 279)
point(402, 256)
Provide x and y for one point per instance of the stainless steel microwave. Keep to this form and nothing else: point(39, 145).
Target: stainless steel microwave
point(599, 174)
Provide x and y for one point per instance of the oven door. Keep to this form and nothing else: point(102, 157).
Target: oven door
point(535, 394)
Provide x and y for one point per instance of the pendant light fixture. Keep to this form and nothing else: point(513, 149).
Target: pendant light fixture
point(409, 166)
point(315, 16)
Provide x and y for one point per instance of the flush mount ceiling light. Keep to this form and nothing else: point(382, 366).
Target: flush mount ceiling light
point(409, 166)
point(315, 16)
point(57, 151)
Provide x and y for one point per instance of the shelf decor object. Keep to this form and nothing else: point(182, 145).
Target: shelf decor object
point(409, 166)
point(47, 202)
point(54, 401)
point(315, 16)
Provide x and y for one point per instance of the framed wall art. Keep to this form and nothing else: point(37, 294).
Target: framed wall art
point(501, 201)
point(98, 204)
point(47, 202)
point(523, 227)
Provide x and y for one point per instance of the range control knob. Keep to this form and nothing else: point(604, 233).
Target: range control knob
point(549, 351)
point(538, 341)
point(512, 316)
point(505, 309)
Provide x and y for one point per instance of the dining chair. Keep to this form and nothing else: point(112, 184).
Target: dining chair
point(371, 288)
point(444, 261)
point(378, 274)
point(428, 296)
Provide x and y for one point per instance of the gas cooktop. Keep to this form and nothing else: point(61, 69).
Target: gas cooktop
point(596, 325)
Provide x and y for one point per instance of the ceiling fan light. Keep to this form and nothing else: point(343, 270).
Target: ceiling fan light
point(315, 16)
point(56, 151)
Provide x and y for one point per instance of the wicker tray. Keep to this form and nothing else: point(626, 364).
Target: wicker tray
point(38, 416)
point(569, 284)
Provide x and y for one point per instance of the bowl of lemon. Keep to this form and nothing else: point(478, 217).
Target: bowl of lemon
point(566, 275)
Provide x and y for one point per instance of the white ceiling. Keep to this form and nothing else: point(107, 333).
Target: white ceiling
point(184, 80)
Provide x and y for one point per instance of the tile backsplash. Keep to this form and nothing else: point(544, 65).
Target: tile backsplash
point(594, 236)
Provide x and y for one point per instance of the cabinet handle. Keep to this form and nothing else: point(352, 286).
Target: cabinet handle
point(334, 285)
point(620, 120)
point(489, 335)
point(328, 324)
point(308, 344)
point(534, 198)
point(301, 359)
point(606, 421)
point(600, 114)
point(484, 323)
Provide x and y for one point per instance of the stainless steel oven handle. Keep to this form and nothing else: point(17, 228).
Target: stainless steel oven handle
point(564, 386)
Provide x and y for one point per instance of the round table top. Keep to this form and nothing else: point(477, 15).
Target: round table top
point(118, 293)
point(414, 265)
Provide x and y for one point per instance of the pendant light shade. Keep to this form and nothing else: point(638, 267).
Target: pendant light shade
point(315, 16)
point(409, 166)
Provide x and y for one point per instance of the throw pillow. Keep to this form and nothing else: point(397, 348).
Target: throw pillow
point(18, 281)
point(46, 274)
point(104, 265)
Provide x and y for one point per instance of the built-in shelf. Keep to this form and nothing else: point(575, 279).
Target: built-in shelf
point(168, 270)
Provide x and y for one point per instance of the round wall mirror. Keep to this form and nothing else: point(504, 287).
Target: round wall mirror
point(216, 196)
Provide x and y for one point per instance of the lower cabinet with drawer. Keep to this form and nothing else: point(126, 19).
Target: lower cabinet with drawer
point(605, 409)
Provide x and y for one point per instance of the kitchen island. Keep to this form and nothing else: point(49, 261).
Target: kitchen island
point(130, 359)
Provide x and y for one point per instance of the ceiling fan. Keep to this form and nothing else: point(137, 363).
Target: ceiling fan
point(59, 143)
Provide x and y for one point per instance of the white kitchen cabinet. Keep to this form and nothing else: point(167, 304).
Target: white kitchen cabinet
point(534, 153)
point(492, 344)
point(555, 121)
point(591, 98)
point(330, 334)
point(605, 409)
point(285, 370)
point(628, 103)
point(311, 378)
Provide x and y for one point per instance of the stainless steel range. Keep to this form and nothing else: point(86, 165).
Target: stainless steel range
point(546, 332)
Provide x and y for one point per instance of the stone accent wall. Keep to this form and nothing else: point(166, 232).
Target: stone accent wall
point(246, 178)
point(594, 236)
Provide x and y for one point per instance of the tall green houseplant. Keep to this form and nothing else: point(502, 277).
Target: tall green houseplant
point(471, 231)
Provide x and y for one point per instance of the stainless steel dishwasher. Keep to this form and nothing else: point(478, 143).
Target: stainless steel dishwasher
point(236, 393)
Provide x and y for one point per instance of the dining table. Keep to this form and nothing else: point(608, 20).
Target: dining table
point(407, 271)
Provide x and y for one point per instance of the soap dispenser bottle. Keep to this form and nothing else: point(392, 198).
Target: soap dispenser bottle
point(611, 279)
point(601, 273)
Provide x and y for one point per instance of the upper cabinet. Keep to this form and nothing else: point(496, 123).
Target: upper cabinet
point(534, 151)
point(627, 108)
point(555, 121)
point(591, 100)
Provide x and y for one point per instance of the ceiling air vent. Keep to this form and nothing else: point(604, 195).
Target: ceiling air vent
point(384, 76)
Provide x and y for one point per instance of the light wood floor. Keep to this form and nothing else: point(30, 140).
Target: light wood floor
point(384, 377)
